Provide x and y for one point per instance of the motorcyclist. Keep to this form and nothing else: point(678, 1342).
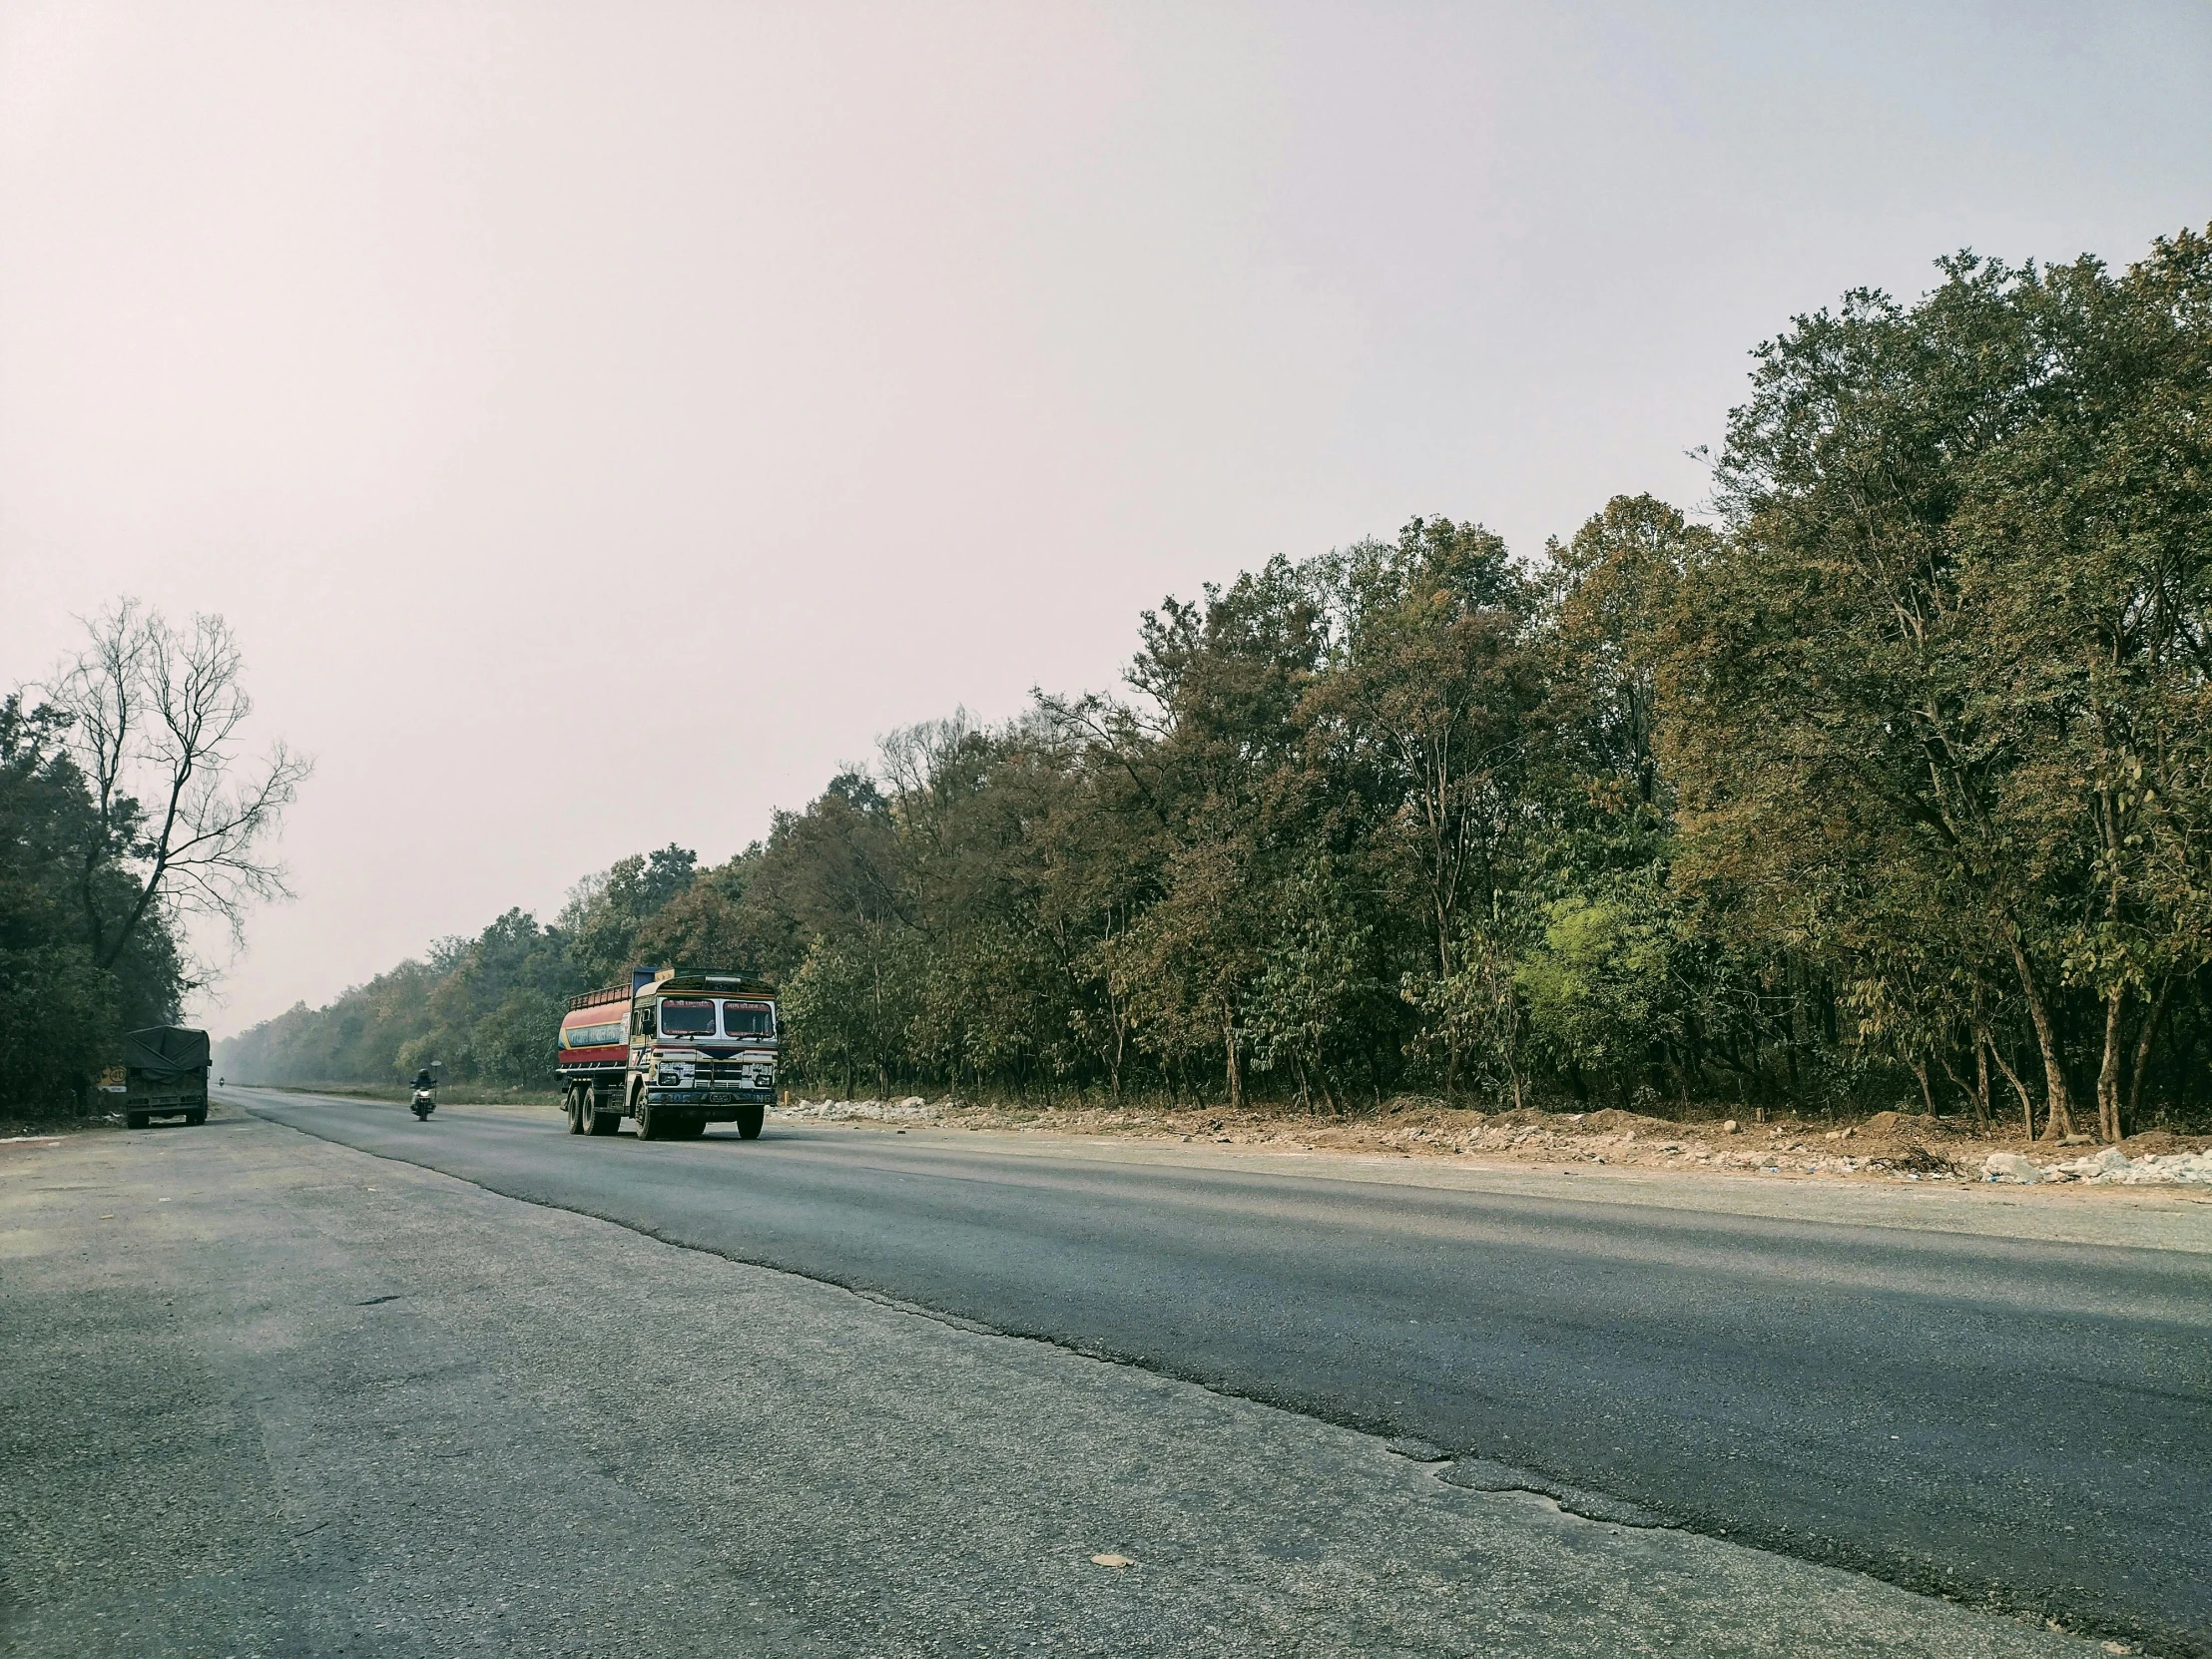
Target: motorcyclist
point(424, 1080)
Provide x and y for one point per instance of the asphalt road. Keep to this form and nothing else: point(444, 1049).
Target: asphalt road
point(265, 1395)
point(2012, 1423)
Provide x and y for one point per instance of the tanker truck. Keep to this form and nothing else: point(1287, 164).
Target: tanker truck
point(673, 1051)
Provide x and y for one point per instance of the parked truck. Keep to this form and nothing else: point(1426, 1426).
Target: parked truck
point(673, 1051)
point(165, 1074)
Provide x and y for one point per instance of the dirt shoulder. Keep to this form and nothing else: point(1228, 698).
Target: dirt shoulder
point(1885, 1147)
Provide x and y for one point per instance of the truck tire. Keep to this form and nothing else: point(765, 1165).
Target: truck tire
point(749, 1119)
point(197, 1116)
point(601, 1116)
point(134, 1120)
point(579, 1102)
point(650, 1122)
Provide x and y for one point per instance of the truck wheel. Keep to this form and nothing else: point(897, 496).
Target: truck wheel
point(749, 1119)
point(579, 1103)
point(134, 1120)
point(601, 1117)
point(648, 1121)
point(197, 1116)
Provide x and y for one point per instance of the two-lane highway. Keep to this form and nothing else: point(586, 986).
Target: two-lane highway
point(2022, 1423)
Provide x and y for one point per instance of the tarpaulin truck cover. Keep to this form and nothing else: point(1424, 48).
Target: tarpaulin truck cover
point(164, 1050)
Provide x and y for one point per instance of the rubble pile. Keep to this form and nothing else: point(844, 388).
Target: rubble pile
point(2108, 1167)
point(912, 1109)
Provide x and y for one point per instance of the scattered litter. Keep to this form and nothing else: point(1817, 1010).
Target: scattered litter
point(1112, 1561)
point(1919, 1160)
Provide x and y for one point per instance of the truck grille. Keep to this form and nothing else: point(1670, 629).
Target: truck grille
point(735, 1073)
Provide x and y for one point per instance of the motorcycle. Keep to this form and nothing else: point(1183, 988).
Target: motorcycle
point(423, 1104)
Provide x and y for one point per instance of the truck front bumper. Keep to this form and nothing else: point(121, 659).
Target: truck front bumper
point(711, 1097)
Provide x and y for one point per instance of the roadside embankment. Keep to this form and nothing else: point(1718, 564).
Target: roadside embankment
point(1886, 1146)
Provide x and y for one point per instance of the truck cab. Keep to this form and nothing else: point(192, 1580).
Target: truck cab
point(674, 1051)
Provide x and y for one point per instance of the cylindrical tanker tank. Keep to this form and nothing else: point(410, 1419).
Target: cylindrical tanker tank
point(673, 1050)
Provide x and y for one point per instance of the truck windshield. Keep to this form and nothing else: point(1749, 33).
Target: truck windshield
point(686, 1019)
point(747, 1019)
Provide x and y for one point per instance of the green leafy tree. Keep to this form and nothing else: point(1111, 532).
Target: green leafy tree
point(1424, 718)
point(1318, 983)
point(605, 913)
point(66, 999)
point(1946, 638)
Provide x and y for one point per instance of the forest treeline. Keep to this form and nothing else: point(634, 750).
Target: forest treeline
point(1891, 783)
point(128, 812)
point(82, 958)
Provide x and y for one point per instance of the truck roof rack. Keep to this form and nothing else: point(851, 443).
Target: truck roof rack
point(714, 982)
point(696, 982)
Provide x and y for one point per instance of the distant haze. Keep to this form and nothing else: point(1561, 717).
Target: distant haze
point(599, 420)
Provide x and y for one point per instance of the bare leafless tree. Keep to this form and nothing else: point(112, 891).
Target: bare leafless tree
point(156, 713)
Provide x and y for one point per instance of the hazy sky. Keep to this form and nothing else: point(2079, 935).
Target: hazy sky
point(599, 420)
